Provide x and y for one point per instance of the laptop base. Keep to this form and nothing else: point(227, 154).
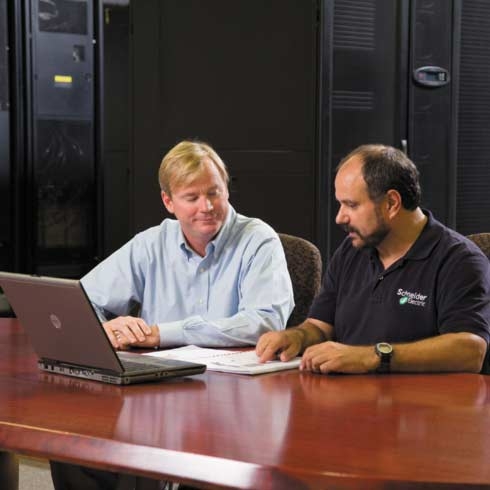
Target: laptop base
point(113, 377)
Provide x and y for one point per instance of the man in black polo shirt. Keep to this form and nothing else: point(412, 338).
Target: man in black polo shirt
point(402, 292)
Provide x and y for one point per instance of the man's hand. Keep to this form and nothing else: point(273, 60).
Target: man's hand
point(330, 357)
point(129, 331)
point(285, 344)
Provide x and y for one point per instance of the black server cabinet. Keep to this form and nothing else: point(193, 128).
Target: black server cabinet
point(432, 95)
point(243, 76)
point(113, 109)
point(395, 81)
point(368, 94)
point(6, 229)
point(62, 217)
point(298, 85)
point(473, 153)
point(283, 89)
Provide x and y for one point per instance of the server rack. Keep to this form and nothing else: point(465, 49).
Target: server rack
point(6, 229)
point(63, 213)
point(282, 98)
point(473, 119)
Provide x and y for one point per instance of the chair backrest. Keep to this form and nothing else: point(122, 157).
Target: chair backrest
point(305, 268)
point(483, 241)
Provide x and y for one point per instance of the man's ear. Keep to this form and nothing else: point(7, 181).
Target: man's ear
point(393, 202)
point(167, 202)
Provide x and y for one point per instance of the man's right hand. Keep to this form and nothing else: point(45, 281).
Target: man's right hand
point(285, 345)
point(126, 331)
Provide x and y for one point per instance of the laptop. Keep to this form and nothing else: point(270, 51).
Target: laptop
point(69, 338)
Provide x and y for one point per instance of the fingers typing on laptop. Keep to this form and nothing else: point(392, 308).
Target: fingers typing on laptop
point(129, 331)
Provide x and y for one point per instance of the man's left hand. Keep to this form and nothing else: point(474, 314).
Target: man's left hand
point(128, 331)
point(329, 357)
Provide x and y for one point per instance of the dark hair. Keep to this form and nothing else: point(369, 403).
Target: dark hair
point(385, 168)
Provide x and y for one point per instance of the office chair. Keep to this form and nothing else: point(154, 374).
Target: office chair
point(305, 268)
point(483, 241)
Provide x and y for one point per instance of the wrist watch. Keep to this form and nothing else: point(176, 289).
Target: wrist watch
point(385, 353)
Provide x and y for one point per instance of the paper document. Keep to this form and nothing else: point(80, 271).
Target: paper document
point(228, 361)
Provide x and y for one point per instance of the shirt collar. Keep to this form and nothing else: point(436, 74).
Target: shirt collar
point(216, 245)
point(423, 245)
point(221, 238)
point(427, 240)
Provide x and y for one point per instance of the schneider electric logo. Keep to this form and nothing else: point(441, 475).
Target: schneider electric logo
point(415, 299)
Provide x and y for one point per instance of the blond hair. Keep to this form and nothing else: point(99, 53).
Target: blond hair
point(184, 162)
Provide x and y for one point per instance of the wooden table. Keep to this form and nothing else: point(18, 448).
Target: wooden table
point(281, 431)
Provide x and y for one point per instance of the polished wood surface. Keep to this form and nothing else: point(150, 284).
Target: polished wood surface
point(286, 430)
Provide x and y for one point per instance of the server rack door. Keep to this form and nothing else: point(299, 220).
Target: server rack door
point(368, 96)
point(241, 75)
point(114, 111)
point(394, 82)
point(432, 85)
point(5, 159)
point(473, 169)
point(63, 215)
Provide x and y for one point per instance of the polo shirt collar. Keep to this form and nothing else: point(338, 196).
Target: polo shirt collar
point(423, 246)
point(427, 240)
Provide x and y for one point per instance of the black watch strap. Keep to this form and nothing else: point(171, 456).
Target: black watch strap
point(385, 353)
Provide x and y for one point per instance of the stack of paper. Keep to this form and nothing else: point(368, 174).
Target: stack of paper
point(228, 361)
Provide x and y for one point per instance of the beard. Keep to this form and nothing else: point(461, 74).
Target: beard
point(373, 239)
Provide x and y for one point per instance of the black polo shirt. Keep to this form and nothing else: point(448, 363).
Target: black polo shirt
point(441, 285)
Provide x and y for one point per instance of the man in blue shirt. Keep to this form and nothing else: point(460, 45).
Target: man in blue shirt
point(212, 277)
point(402, 292)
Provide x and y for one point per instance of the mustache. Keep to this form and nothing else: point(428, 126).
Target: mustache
point(349, 229)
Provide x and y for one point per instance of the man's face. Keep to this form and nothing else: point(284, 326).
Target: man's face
point(201, 205)
point(358, 215)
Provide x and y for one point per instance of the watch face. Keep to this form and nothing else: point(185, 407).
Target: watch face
point(384, 348)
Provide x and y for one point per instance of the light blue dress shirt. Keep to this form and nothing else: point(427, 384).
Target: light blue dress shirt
point(238, 291)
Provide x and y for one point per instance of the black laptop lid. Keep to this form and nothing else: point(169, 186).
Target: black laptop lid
point(59, 320)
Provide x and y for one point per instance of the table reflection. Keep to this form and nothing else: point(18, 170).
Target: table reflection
point(377, 424)
point(217, 415)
